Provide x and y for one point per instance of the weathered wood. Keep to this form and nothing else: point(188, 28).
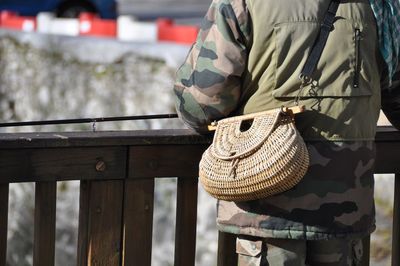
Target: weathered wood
point(396, 223)
point(28, 165)
point(186, 218)
point(366, 250)
point(104, 224)
point(226, 249)
point(387, 159)
point(101, 138)
point(128, 138)
point(45, 223)
point(83, 231)
point(138, 222)
point(165, 160)
point(75, 156)
point(4, 189)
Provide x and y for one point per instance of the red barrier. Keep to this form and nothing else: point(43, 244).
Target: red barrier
point(168, 31)
point(92, 25)
point(11, 20)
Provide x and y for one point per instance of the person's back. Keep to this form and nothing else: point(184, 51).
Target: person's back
point(346, 85)
point(247, 58)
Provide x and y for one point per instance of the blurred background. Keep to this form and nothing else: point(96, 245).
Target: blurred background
point(142, 9)
point(73, 59)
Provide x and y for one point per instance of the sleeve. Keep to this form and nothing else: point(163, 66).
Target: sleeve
point(391, 100)
point(208, 84)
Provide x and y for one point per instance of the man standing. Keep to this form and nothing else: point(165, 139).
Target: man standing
point(247, 58)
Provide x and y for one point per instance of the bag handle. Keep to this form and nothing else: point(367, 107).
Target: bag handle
point(231, 126)
point(288, 110)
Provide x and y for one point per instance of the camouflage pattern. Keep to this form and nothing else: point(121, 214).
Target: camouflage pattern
point(289, 252)
point(239, 65)
point(333, 200)
point(249, 54)
point(335, 252)
point(208, 83)
point(251, 252)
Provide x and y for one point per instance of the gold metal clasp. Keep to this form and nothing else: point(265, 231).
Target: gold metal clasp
point(212, 126)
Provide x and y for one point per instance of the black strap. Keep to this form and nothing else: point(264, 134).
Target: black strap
point(320, 42)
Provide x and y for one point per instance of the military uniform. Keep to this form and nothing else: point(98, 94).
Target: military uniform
point(247, 58)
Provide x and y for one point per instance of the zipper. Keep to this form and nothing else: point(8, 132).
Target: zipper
point(357, 38)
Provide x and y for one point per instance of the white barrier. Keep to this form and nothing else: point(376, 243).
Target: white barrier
point(47, 23)
point(125, 28)
point(128, 29)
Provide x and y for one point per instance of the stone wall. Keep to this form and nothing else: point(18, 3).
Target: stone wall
point(55, 77)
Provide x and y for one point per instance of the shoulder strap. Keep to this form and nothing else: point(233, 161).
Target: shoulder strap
point(320, 42)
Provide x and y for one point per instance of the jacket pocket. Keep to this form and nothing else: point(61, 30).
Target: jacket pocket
point(338, 73)
point(247, 247)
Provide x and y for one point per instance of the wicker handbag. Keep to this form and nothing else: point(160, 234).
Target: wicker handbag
point(268, 157)
point(247, 164)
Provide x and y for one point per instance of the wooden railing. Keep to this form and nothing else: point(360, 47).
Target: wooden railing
point(117, 172)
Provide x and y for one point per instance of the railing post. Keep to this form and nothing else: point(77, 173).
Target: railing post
point(138, 222)
point(227, 249)
point(366, 242)
point(4, 189)
point(103, 223)
point(45, 223)
point(83, 231)
point(186, 218)
point(396, 223)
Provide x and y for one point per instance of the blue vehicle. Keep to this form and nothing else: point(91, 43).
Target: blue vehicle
point(63, 8)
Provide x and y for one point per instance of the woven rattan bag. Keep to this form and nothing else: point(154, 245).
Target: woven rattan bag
point(266, 158)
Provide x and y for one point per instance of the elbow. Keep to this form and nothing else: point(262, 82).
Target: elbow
point(190, 112)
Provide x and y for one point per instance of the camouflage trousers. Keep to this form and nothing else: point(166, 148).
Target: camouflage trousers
point(254, 251)
point(333, 200)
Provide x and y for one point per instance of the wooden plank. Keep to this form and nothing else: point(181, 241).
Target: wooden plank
point(129, 138)
point(29, 165)
point(186, 220)
point(45, 223)
point(138, 222)
point(101, 138)
point(366, 250)
point(104, 239)
point(226, 249)
point(83, 230)
point(396, 223)
point(4, 193)
point(165, 160)
point(387, 157)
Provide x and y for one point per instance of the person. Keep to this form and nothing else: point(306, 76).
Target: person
point(247, 58)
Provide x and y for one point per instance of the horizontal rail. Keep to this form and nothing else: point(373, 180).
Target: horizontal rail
point(130, 138)
point(117, 172)
point(101, 139)
point(35, 157)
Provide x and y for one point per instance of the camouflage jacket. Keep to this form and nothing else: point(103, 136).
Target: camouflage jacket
point(249, 54)
point(247, 57)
